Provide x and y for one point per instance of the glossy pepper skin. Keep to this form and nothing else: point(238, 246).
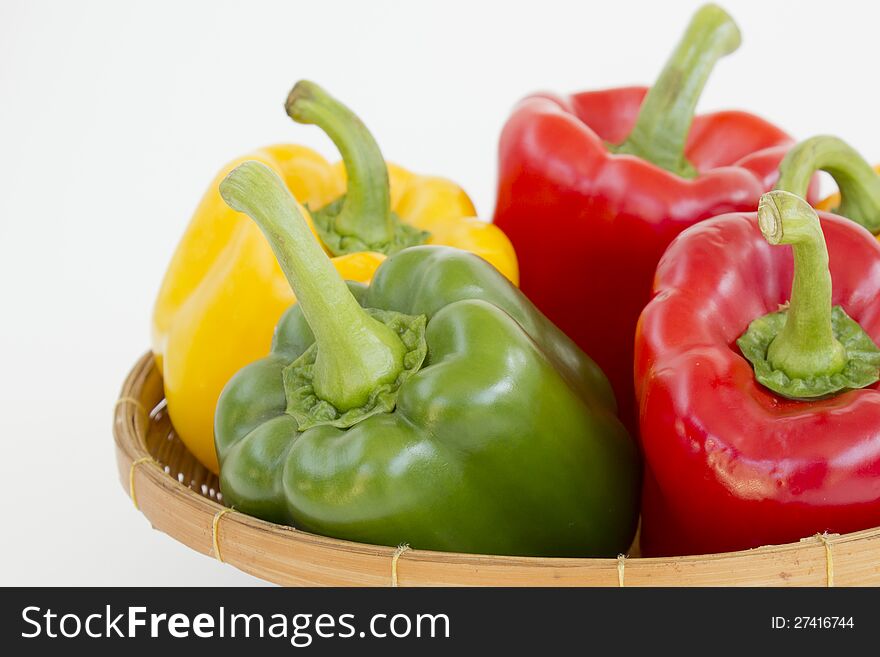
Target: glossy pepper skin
point(591, 192)
point(223, 292)
point(503, 441)
point(731, 464)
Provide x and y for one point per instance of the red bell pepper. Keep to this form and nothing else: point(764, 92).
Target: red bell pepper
point(760, 411)
point(593, 188)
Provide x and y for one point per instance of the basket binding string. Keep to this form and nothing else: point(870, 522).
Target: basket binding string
point(132, 492)
point(826, 539)
point(215, 533)
point(403, 547)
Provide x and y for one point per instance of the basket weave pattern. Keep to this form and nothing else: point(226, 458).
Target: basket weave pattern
point(181, 497)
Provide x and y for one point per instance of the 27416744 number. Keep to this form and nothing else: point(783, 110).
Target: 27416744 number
point(812, 622)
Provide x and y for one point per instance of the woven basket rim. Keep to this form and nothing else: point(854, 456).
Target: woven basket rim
point(285, 555)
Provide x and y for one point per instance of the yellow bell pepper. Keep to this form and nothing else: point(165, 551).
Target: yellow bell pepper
point(224, 292)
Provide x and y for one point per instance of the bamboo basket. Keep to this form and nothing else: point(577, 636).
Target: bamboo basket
point(181, 498)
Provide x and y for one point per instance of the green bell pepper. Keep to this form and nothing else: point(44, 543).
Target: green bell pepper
point(436, 407)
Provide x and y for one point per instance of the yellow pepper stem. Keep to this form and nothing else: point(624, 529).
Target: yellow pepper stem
point(356, 353)
point(366, 211)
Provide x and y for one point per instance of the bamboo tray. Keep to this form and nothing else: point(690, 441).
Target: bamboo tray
point(181, 498)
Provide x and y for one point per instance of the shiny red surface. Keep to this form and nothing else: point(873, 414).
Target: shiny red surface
point(730, 465)
point(589, 226)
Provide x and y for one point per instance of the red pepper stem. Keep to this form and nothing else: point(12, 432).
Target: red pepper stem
point(859, 184)
point(366, 212)
point(666, 114)
point(805, 347)
point(356, 353)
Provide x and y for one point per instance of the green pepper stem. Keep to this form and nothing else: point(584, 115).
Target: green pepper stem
point(666, 114)
point(859, 184)
point(366, 212)
point(356, 353)
point(806, 346)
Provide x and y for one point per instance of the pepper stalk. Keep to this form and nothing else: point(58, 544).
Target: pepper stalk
point(362, 219)
point(664, 120)
point(355, 352)
point(857, 181)
point(806, 346)
point(811, 349)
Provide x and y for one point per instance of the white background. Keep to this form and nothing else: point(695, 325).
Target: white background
point(115, 115)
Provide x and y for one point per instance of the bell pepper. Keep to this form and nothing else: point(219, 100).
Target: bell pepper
point(435, 407)
point(223, 292)
point(592, 189)
point(760, 409)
